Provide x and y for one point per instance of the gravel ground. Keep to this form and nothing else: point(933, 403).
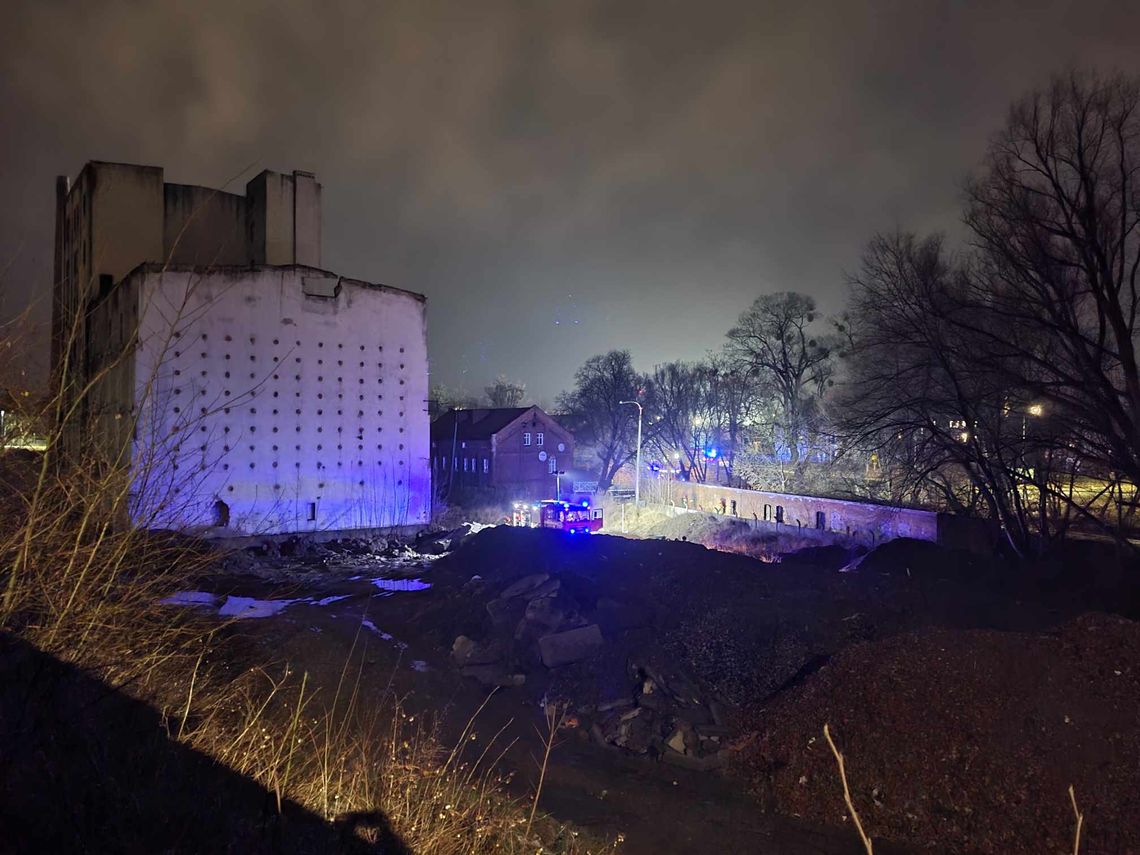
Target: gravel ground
point(967, 740)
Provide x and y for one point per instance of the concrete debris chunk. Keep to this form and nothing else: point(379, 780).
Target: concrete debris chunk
point(461, 650)
point(524, 586)
point(574, 645)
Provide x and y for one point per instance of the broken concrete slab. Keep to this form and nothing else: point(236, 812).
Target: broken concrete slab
point(461, 650)
point(546, 589)
point(548, 612)
point(505, 612)
point(524, 586)
point(574, 645)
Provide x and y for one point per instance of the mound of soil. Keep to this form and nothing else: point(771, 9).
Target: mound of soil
point(716, 531)
point(967, 741)
point(671, 644)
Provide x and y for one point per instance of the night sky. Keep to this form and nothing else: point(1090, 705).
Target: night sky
point(559, 178)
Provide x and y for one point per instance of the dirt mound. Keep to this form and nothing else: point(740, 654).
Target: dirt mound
point(689, 636)
point(716, 531)
point(832, 557)
point(908, 557)
point(967, 740)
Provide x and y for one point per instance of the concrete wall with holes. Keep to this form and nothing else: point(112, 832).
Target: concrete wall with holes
point(278, 399)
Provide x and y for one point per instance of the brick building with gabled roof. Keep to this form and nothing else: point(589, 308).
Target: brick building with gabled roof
point(517, 450)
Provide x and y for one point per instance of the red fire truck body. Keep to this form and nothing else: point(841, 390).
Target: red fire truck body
point(570, 517)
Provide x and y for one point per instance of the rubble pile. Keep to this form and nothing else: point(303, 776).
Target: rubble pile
point(577, 649)
point(300, 555)
point(666, 717)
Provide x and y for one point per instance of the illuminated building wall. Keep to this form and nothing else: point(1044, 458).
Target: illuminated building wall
point(262, 394)
point(268, 400)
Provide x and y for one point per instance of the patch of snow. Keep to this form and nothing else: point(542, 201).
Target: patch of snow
point(420, 665)
point(190, 598)
point(393, 585)
point(248, 607)
point(326, 600)
point(366, 623)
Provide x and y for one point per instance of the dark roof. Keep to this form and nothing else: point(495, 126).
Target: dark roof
point(474, 424)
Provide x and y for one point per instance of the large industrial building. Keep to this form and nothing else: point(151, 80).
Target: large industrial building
point(245, 389)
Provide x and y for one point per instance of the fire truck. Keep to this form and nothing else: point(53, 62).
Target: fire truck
point(571, 517)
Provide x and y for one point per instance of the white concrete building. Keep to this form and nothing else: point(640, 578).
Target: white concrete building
point(254, 398)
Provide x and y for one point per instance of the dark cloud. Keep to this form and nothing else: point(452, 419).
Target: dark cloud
point(558, 178)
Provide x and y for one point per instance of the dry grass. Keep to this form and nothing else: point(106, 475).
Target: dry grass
point(80, 585)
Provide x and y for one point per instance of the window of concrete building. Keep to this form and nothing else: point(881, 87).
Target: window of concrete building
point(733, 503)
point(526, 438)
point(820, 520)
point(767, 513)
point(779, 513)
point(486, 465)
point(553, 463)
point(312, 511)
point(540, 438)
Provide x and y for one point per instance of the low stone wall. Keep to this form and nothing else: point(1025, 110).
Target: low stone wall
point(861, 521)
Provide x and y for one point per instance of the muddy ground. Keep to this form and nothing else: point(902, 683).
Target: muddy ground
point(696, 681)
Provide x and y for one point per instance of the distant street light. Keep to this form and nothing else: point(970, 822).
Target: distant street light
point(637, 477)
point(1036, 409)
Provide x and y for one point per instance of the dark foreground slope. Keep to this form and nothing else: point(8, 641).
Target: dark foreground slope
point(967, 694)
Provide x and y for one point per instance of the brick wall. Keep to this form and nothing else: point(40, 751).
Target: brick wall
point(861, 521)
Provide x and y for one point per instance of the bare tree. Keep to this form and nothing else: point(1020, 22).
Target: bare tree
point(504, 393)
point(1055, 216)
point(443, 398)
point(1009, 377)
point(682, 392)
point(739, 398)
point(603, 422)
point(921, 390)
point(777, 341)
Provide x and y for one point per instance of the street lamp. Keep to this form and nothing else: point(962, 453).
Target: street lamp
point(637, 476)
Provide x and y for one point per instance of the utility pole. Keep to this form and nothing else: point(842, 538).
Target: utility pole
point(637, 475)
